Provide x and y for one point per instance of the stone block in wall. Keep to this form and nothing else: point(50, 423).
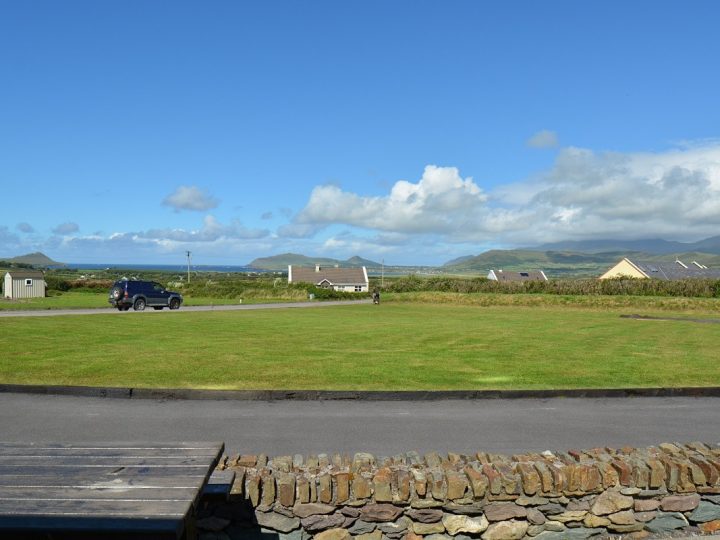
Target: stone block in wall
point(382, 485)
point(437, 483)
point(455, 524)
point(267, 496)
point(403, 489)
point(494, 479)
point(506, 530)
point(361, 487)
point(705, 511)
point(277, 522)
point(679, 503)
point(504, 511)
point(478, 482)
point(529, 477)
point(325, 494)
point(286, 489)
point(342, 486)
point(376, 513)
point(457, 485)
point(419, 482)
point(252, 488)
point(333, 534)
point(302, 487)
point(303, 510)
point(610, 502)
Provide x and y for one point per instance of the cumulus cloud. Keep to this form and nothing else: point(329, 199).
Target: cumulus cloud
point(211, 231)
point(673, 194)
point(543, 139)
point(190, 198)
point(68, 227)
point(25, 228)
point(441, 201)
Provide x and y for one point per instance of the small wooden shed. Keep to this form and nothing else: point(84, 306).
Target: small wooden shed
point(24, 284)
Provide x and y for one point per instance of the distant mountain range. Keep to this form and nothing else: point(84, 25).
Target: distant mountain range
point(281, 262)
point(586, 258)
point(655, 246)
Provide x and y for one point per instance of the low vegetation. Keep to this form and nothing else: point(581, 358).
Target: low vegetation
point(438, 345)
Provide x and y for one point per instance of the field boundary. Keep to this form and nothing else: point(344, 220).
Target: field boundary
point(353, 395)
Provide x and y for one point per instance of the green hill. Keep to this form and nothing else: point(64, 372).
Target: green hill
point(563, 263)
point(34, 259)
point(281, 262)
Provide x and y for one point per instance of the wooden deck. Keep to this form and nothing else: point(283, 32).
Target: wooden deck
point(103, 490)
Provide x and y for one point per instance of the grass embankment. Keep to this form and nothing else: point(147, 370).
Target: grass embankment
point(397, 346)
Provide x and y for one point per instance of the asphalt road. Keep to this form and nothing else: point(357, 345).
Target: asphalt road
point(383, 428)
point(232, 307)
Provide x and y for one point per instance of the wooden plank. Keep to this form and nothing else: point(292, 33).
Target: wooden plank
point(103, 493)
point(141, 451)
point(163, 527)
point(35, 461)
point(128, 508)
point(104, 472)
point(88, 481)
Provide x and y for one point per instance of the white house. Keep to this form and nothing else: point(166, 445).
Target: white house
point(24, 284)
point(340, 279)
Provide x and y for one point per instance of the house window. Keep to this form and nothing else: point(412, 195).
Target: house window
point(28, 282)
point(524, 274)
point(358, 288)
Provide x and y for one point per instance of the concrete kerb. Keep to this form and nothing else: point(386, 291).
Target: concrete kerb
point(353, 395)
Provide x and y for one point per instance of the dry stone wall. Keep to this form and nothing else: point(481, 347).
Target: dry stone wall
point(598, 493)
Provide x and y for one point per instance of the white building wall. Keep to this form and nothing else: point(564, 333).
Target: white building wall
point(19, 288)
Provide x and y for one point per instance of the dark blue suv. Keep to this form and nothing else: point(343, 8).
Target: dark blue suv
point(139, 294)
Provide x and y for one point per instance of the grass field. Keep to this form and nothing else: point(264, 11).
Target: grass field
point(89, 300)
point(397, 346)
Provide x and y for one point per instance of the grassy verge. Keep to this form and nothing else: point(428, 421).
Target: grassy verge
point(397, 346)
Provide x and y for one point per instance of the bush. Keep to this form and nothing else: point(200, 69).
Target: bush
point(691, 288)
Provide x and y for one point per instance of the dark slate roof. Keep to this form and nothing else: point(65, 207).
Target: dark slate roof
point(675, 270)
point(336, 276)
point(532, 275)
point(26, 274)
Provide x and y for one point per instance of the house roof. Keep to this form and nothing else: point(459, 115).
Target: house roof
point(26, 274)
point(335, 276)
point(675, 270)
point(532, 275)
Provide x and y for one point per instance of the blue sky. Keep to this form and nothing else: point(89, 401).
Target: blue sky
point(409, 131)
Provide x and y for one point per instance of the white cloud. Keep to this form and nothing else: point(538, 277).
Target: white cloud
point(441, 201)
point(543, 139)
point(66, 228)
point(25, 228)
point(673, 194)
point(190, 198)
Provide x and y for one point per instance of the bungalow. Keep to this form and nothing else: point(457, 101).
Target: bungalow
point(24, 284)
point(500, 275)
point(340, 279)
point(664, 270)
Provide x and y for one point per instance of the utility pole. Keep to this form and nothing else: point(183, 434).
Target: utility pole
point(382, 275)
point(188, 253)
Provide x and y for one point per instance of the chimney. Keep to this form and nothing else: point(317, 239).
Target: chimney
point(317, 267)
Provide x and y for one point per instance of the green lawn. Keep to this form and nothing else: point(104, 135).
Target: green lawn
point(397, 346)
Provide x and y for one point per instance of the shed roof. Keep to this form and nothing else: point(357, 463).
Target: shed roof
point(26, 274)
point(335, 276)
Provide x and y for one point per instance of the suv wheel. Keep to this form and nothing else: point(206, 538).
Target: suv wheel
point(116, 293)
point(139, 304)
point(174, 303)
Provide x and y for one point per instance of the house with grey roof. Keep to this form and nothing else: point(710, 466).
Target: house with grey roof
point(339, 279)
point(24, 284)
point(531, 275)
point(664, 270)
